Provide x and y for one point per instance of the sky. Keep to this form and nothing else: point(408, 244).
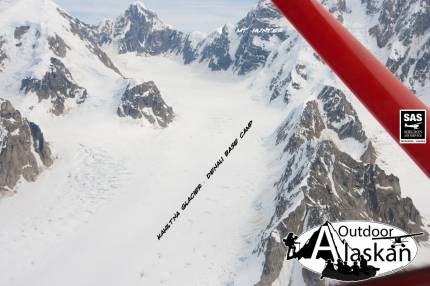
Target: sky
point(186, 15)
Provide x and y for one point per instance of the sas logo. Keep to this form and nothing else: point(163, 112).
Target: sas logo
point(352, 250)
point(412, 126)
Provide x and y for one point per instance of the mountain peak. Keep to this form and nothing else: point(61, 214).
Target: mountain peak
point(141, 16)
point(138, 4)
point(138, 9)
point(17, 11)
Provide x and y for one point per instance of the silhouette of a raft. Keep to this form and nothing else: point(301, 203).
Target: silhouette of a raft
point(363, 274)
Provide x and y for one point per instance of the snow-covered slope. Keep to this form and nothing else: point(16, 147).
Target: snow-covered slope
point(53, 59)
point(94, 217)
point(44, 57)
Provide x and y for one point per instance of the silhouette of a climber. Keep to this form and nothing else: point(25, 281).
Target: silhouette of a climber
point(290, 242)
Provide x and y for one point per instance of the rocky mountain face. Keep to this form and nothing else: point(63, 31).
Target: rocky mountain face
point(3, 55)
point(323, 181)
point(216, 52)
point(403, 30)
point(244, 47)
point(144, 101)
point(140, 30)
point(57, 85)
point(261, 29)
point(23, 149)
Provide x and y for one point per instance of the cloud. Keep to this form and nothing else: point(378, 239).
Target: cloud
point(186, 15)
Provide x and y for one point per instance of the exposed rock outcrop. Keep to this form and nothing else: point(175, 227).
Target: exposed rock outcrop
point(23, 149)
point(58, 46)
point(145, 101)
point(3, 55)
point(341, 115)
point(217, 52)
point(57, 85)
point(259, 27)
point(20, 31)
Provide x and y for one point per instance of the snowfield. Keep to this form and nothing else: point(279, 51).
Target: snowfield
point(93, 218)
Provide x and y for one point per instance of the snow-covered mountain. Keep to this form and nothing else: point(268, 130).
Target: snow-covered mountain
point(54, 55)
point(331, 159)
point(139, 30)
point(243, 47)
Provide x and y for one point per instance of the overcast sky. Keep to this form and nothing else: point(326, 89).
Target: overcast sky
point(187, 15)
